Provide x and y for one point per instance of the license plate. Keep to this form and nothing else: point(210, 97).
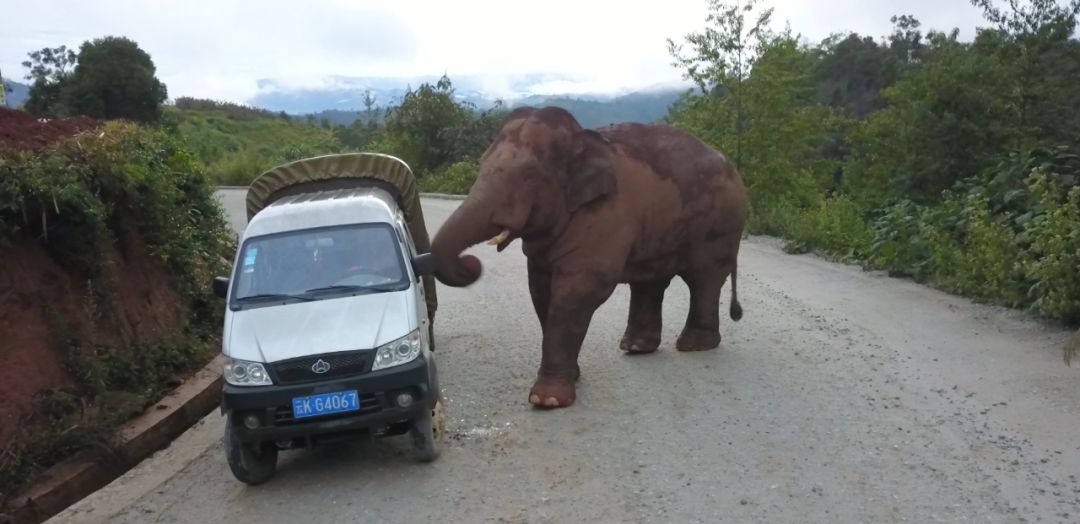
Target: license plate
point(325, 404)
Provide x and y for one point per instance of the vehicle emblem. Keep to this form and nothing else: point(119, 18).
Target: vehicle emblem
point(320, 366)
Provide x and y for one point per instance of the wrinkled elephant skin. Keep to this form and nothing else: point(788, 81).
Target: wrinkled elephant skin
point(628, 203)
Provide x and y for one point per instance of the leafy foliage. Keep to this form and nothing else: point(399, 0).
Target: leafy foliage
point(944, 121)
point(722, 56)
point(48, 69)
point(456, 179)
point(50, 64)
point(232, 110)
point(78, 199)
point(424, 127)
point(113, 78)
point(950, 162)
point(236, 144)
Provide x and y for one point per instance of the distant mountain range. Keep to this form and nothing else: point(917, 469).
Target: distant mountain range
point(340, 99)
point(18, 94)
point(634, 107)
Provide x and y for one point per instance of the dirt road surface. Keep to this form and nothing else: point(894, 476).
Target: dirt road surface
point(842, 396)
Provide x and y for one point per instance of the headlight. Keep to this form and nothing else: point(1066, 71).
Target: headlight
point(398, 352)
point(244, 373)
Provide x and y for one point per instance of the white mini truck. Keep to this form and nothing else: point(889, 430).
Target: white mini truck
point(329, 310)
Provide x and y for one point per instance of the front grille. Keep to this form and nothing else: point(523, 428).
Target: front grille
point(298, 371)
point(283, 415)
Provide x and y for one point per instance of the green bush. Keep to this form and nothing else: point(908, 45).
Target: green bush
point(835, 226)
point(1053, 261)
point(902, 241)
point(240, 169)
point(771, 218)
point(456, 179)
point(980, 259)
point(1025, 256)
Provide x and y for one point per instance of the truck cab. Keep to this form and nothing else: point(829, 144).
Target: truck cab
point(327, 330)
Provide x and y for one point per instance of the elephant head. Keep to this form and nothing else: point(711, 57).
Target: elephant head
point(540, 168)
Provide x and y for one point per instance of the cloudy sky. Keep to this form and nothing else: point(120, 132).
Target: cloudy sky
point(220, 48)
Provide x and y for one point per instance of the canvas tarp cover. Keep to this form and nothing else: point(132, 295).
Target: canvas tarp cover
point(349, 170)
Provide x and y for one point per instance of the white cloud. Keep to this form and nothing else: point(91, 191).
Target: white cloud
point(221, 48)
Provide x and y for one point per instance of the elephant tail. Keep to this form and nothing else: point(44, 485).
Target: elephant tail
point(736, 309)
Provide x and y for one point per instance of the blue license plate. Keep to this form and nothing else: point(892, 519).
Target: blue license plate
point(325, 404)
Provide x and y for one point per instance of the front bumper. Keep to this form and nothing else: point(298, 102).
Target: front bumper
point(378, 392)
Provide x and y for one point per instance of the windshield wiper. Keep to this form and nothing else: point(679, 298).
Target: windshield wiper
point(273, 296)
point(375, 288)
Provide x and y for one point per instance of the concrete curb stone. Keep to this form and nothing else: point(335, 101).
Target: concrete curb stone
point(72, 480)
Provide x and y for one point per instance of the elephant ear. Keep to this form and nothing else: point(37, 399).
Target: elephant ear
point(591, 170)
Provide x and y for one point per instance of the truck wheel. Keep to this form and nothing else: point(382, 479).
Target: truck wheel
point(251, 464)
point(426, 434)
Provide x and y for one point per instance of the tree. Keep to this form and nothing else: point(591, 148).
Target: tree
point(851, 74)
point(906, 41)
point(468, 141)
point(1040, 19)
point(1035, 38)
point(49, 68)
point(783, 133)
point(943, 122)
point(722, 56)
point(370, 111)
point(419, 128)
point(114, 79)
point(364, 130)
point(50, 64)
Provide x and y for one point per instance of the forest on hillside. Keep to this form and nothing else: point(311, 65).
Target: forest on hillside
point(952, 162)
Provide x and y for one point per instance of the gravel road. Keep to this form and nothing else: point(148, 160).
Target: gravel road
point(842, 396)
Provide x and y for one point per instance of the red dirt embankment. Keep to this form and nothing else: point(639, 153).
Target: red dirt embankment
point(21, 131)
point(32, 283)
point(41, 299)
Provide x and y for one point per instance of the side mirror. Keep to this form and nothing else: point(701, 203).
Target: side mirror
point(423, 264)
point(221, 286)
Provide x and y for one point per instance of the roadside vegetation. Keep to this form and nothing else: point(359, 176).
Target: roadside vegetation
point(439, 137)
point(236, 143)
point(110, 235)
point(90, 211)
point(953, 163)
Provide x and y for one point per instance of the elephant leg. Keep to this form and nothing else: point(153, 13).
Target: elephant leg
point(702, 330)
point(540, 290)
point(644, 323)
point(574, 299)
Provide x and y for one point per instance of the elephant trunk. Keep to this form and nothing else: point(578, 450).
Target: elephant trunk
point(469, 225)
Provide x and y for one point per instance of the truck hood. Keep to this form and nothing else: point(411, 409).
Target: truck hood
point(270, 334)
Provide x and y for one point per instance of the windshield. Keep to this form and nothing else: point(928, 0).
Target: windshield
point(312, 264)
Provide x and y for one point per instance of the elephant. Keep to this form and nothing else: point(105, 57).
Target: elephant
point(628, 203)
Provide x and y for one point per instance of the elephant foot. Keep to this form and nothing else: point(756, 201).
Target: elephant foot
point(550, 393)
point(638, 345)
point(698, 340)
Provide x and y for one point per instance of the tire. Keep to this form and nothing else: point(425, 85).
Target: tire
point(251, 464)
point(426, 434)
